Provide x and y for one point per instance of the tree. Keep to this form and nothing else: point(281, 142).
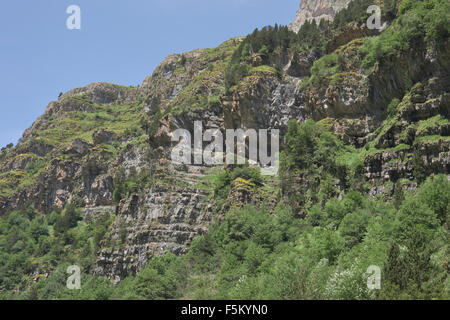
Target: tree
point(157, 280)
point(68, 219)
point(38, 228)
point(435, 193)
point(415, 219)
point(353, 227)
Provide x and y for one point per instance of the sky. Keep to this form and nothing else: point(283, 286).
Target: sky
point(119, 42)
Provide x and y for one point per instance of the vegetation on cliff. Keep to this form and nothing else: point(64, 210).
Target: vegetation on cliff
point(252, 254)
point(364, 182)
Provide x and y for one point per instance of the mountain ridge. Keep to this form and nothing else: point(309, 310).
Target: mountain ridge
point(363, 114)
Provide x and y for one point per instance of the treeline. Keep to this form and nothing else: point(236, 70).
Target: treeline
point(356, 12)
point(270, 44)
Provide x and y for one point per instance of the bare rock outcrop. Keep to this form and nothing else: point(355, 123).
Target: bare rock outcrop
point(317, 10)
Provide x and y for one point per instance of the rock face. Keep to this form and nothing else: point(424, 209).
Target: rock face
point(317, 10)
point(90, 141)
point(153, 221)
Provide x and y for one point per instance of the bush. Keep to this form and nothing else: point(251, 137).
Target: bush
point(158, 280)
point(69, 219)
point(324, 67)
point(223, 180)
point(415, 218)
point(353, 227)
point(435, 193)
point(419, 21)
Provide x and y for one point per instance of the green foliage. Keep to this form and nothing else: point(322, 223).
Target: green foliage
point(255, 256)
point(356, 12)
point(419, 21)
point(415, 217)
point(264, 52)
point(60, 132)
point(252, 254)
point(435, 193)
point(392, 107)
point(353, 227)
point(125, 186)
point(324, 67)
point(270, 44)
point(54, 287)
point(68, 219)
point(309, 144)
point(35, 166)
point(223, 179)
point(311, 151)
point(159, 280)
point(324, 244)
point(33, 244)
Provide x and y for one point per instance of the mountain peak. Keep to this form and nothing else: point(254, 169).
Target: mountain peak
point(317, 10)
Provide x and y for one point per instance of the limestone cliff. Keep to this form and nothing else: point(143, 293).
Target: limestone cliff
point(317, 10)
point(105, 147)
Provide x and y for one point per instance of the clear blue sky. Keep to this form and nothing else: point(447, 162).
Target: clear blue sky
point(119, 42)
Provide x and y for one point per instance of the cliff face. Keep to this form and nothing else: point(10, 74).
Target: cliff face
point(96, 141)
point(94, 138)
point(317, 10)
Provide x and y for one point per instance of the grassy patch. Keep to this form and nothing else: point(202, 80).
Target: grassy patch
point(431, 124)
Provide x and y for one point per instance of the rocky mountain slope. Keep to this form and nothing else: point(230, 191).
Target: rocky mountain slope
point(105, 148)
point(317, 10)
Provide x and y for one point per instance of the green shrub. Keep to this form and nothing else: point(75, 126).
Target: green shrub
point(324, 67)
point(435, 193)
point(69, 219)
point(419, 21)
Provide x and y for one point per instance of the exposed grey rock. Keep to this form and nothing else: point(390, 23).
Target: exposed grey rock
point(157, 220)
point(103, 136)
point(102, 93)
point(79, 146)
point(317, 10)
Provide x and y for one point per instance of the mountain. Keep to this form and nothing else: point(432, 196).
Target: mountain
point(363, 180)
point(317, 10)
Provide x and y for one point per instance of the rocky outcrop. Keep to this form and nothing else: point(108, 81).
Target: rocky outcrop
point(415, 143)
point(264, 102)
point(103, 136)
point(164, 218)
point(103, 93)
point(317, 10)
point(348, 34)
point(80, 147)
